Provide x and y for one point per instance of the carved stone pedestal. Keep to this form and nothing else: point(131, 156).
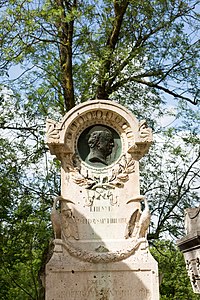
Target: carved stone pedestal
point(101, 251)
point(190, 246)
point(133, 278)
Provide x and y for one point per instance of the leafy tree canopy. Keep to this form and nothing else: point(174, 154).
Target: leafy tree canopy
point(75, 51)
point(55, 54)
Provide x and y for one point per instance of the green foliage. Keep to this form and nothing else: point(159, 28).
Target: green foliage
point(153, 42)
point(26, 194)
point(175, 283)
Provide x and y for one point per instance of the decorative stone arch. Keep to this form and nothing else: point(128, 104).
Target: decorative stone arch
point(62, 137)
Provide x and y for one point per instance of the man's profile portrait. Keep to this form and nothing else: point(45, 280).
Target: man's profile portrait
point(101, 143)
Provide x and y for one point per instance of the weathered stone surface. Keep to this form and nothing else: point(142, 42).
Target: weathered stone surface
point(192, 220)
point(101, 251)
point(72, 279)
point(190, 246)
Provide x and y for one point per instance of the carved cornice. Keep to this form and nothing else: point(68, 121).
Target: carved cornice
point(189, 242)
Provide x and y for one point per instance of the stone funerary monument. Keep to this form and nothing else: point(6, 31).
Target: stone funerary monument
point(190, 246)
point(100, 247)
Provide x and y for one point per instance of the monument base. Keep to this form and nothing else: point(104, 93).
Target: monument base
point(69, 278)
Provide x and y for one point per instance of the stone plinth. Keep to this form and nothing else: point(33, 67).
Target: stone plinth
point(130, 279)
point(190, 246)
point(101, 251)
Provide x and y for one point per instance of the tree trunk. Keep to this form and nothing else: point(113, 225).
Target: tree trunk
point(65, 33)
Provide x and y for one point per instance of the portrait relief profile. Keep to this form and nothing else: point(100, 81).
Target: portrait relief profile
point(99, 145)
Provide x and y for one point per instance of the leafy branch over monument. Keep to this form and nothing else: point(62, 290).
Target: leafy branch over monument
point(84, 50)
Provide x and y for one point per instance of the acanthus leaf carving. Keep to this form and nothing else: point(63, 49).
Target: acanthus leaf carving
point(145, 133)
point(192, 267)
point(52, 131)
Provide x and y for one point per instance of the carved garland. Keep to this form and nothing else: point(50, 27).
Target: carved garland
point(93, 257)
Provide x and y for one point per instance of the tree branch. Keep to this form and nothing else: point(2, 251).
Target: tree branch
point(138, 79)
point(17, 284)
point(140, 42)
point(110, 47)
point(179, 195)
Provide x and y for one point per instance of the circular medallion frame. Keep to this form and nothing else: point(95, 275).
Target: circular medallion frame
point(99, 145)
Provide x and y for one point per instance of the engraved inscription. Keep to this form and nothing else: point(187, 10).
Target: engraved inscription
point(94, 291)
point(101, 221)
point(101, 193)
point(101, 208)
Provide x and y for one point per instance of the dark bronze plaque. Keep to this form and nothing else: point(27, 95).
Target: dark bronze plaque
point(99, 145)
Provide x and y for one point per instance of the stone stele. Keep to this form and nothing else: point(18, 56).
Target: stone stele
point(190, 246)
point(100, 246)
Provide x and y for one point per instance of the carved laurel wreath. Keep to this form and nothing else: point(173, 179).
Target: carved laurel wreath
point(119, 175)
